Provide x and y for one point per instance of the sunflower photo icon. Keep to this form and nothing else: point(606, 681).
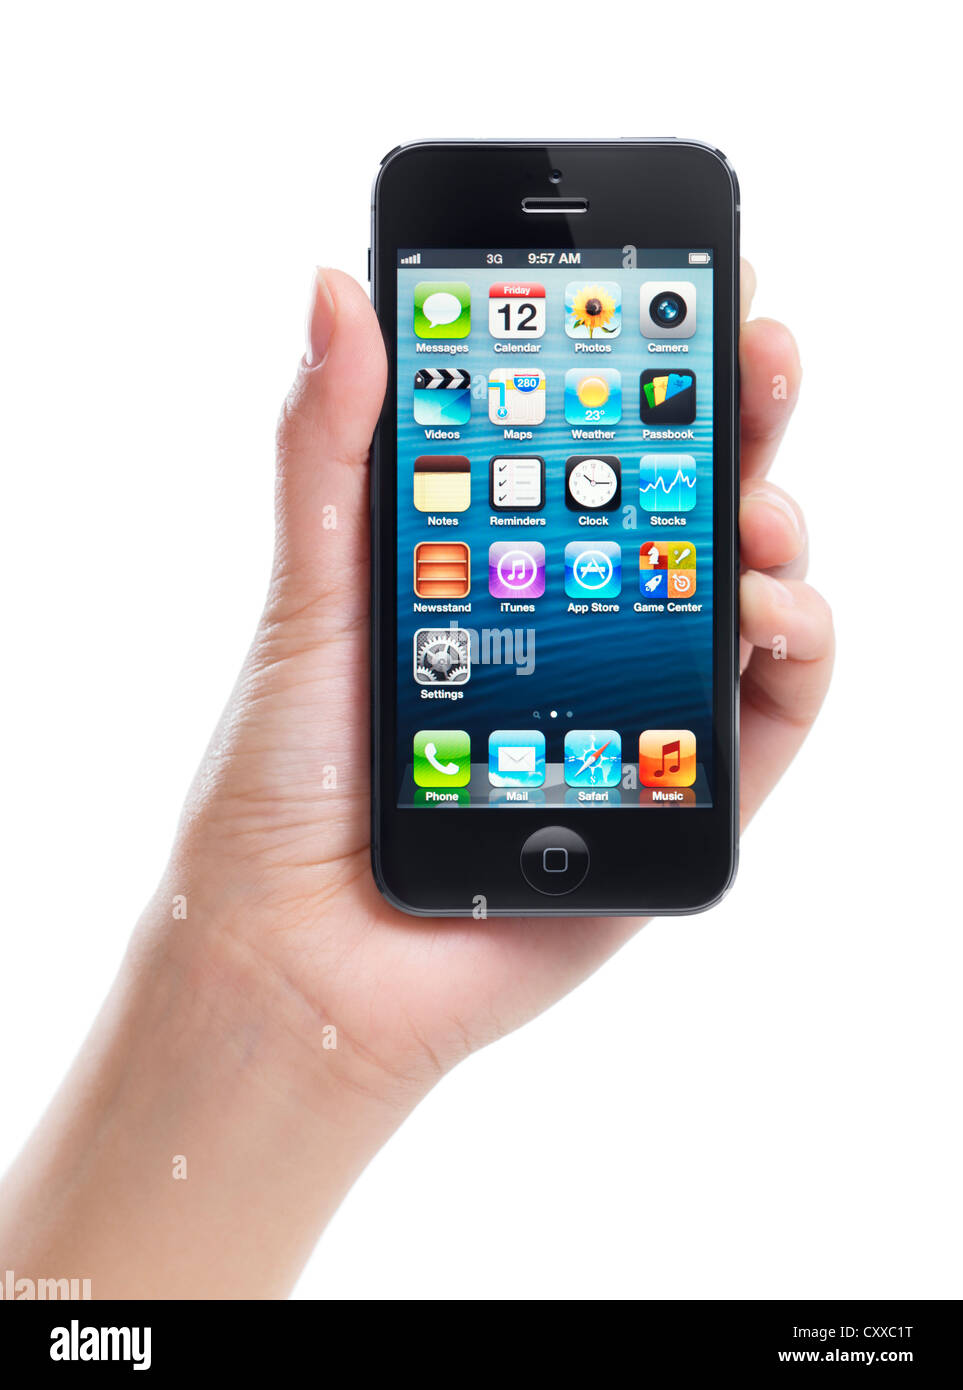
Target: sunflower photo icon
point(593, 310)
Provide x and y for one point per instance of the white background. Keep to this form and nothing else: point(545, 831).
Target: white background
point(763, 1101)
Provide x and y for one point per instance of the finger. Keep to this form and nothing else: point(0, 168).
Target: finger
point(772, 531)
point(324, 435)
point(770, 372)
point(747, 289)
point(790, 628)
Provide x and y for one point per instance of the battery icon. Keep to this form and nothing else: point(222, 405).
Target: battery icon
point(698, 258)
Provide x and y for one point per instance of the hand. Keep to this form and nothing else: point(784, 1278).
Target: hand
point(209, 1128)
point(412, 996)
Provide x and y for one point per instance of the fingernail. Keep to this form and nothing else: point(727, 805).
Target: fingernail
point(780, 504)
point(320, 321)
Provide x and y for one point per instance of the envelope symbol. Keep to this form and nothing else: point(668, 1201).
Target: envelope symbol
point(516, 759)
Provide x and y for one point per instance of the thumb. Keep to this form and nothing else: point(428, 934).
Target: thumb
point(323, 439)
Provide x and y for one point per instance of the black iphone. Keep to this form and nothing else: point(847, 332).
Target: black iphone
point(553, 512)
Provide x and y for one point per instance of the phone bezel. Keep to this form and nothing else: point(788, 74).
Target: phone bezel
point(650, 193)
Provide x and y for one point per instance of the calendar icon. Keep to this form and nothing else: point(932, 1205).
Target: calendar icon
point(516, 310)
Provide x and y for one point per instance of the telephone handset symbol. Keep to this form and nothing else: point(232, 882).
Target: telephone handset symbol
point(446, 769)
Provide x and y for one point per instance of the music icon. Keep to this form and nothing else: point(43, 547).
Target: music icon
point(516, 569)
point(667, 758)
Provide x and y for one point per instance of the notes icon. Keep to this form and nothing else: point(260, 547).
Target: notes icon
point(442, 483)
point(667, 758)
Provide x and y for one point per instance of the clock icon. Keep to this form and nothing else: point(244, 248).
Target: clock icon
point(593, 483)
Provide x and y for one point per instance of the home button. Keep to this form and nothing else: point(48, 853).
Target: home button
point(554, 860)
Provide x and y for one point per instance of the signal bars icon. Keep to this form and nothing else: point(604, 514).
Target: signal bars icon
point(411, 260)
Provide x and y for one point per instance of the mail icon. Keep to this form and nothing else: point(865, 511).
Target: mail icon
point(516, 758)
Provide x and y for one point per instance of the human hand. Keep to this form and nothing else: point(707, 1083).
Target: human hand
point(411, 997)
point(266, 1044)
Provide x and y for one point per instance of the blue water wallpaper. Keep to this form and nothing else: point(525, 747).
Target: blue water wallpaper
point(555, 666)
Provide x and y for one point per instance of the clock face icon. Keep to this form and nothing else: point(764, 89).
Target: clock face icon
point(593, 483)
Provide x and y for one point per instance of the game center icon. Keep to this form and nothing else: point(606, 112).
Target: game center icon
point(667, 569)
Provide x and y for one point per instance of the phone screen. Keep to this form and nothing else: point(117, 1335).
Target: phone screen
point(555, 526)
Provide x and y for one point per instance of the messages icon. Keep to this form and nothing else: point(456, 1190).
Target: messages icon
point(442, 309)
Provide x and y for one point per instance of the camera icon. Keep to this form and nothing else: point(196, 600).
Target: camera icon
point(668, 309)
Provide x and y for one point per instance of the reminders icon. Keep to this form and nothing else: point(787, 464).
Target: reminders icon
point(517, 484)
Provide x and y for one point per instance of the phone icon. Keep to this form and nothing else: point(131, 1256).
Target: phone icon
point(442, 758)
point(446, 769)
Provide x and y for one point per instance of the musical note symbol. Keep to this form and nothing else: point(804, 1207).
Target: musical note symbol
point(518, 571)
point(667, 749)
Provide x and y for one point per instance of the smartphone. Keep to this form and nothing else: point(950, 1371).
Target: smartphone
point(553, 513)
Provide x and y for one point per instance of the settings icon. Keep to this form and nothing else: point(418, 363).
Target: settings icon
point(442, 656)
